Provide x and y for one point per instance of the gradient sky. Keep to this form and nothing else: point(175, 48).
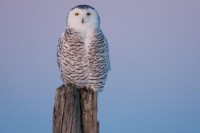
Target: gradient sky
point(154, 85)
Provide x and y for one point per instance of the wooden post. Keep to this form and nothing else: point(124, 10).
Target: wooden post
point(75, 110)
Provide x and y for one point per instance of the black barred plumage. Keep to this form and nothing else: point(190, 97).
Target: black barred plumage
point(98, 57)
point(83, 54)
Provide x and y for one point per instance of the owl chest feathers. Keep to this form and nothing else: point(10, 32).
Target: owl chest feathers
point(79, 48)
point(83, 57)
point(82, 44)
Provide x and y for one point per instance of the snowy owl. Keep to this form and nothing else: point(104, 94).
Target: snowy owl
point(82, 54)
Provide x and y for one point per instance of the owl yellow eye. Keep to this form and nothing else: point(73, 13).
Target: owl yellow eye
point(76, 14)
point(89, 14)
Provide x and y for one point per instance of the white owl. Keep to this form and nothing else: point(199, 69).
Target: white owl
point(82, 54)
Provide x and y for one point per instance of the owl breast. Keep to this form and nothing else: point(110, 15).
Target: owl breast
point(83, 60)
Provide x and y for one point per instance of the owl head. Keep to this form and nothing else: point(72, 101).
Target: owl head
point(83, 17)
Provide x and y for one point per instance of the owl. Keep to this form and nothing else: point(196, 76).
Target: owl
point(83, 53)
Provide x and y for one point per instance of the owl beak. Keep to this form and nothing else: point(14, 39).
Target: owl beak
point(82, 21)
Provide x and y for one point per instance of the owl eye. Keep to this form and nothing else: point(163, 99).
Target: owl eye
point(76, 14)
point(89, 14)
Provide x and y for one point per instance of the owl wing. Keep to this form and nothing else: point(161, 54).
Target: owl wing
point(61, 42)
point(107, 54)
point(99, 61)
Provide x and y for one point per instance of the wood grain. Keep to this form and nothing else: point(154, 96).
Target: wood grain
point(75, 110)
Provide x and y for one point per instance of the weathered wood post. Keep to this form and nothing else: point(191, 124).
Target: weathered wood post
point(75, 110)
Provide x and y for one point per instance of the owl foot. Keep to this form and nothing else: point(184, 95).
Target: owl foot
point(92, 88)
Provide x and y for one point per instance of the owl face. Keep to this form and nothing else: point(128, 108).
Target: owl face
point(83, 17)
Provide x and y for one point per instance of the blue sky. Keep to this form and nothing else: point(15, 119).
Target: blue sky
point(154, 85)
